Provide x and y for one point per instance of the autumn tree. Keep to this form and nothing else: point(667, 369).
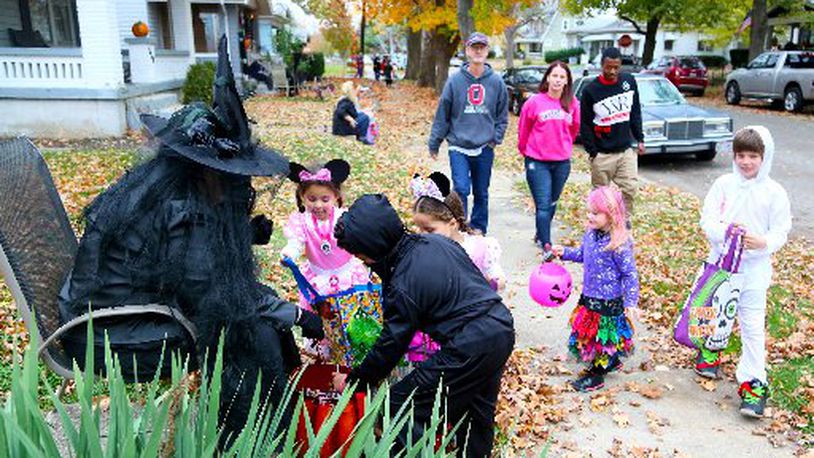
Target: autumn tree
point(508, 16)
point(335, 23)
point(680, 14)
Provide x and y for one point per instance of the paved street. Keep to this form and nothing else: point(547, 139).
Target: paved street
point(793, 163)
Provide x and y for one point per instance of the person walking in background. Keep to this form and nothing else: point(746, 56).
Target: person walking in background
point(472, 116)
point(377, 70)
point(611, 124)
point(549, 123)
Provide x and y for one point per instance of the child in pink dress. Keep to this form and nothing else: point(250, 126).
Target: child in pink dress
point(439, 210)
point(310, 232)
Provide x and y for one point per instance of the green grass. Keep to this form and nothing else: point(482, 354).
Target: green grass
point(786, 381)
point(336, 69)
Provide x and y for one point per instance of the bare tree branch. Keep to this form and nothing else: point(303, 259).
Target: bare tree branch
point(635, 24)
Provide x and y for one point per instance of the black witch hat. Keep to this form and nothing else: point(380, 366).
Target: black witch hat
point(218, 137)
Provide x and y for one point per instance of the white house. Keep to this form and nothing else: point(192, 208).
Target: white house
point(596, 33)
point(72, 68)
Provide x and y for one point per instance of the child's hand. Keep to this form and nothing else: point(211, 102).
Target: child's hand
point(557, 250)
point(753, 241)
point(339, 381)
point(632, 314)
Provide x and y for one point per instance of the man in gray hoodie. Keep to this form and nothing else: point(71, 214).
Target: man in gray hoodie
point(472, 116)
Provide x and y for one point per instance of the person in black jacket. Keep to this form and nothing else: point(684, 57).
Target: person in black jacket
point(431, 285)
point(177, 230)
point(611, 126)
point(347, 119)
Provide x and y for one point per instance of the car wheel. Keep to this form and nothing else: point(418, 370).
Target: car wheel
point(707, 155)
point(733, 93)
point(699, 93)
point(793, 99)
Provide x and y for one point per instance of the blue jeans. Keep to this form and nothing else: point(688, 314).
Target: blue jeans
point(473, 172)
point(546, 180)
point(362, 122)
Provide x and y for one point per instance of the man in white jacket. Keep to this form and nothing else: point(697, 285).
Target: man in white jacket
point(748, 198)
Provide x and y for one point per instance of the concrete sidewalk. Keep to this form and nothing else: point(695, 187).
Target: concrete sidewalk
point(684, 420)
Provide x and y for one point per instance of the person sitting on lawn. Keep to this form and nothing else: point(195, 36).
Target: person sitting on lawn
point(751, 200)
point(348, 119)
point(430, 285)
point(601, 323)
point(177, 230)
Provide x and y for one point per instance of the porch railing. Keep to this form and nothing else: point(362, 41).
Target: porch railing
point(40, 70)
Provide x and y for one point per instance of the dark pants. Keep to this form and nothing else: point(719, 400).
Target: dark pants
point(471, 382)
point(475, 173)
point(546, 180)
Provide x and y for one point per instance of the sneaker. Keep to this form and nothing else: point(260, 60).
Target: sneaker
point(589, 382)
point(754, 395)
point(707, 363)
point(615, 367)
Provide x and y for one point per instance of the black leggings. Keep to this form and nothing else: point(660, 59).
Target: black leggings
point(471, 385)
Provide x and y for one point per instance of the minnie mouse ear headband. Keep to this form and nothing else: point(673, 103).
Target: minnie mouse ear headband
point(335, 171)
point(436, 186)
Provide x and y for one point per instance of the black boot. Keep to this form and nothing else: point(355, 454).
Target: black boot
point(590, 380)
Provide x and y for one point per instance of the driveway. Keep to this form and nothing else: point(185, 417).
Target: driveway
point(793, 165)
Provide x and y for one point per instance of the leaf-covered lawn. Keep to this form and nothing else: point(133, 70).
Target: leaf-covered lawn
point(669, 244)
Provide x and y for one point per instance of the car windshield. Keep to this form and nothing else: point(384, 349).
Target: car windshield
point(690, 63)
point(658, 91)
point(530, 76)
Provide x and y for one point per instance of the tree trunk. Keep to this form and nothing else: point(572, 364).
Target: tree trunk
point(650, 40)
point(509, 33)
point(465, 22)
point(426, 74)
point(443, 50)
point(759, 28)
point(413, 54)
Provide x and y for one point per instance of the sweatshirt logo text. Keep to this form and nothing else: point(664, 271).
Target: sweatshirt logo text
point(613, 109)
point(475, 96)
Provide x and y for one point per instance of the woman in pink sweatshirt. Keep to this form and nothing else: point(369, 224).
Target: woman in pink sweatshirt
point(549, 123)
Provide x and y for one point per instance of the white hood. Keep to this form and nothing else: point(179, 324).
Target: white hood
point(760, 205)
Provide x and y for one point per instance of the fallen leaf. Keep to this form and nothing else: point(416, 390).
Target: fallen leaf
point(622, 419)
point(651, 391)
point(708, 384)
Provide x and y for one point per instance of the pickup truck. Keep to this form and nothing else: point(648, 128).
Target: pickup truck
point(784, 77)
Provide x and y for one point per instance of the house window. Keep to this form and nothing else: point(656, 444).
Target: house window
point(668, 45)
point(704, 46)
point(565, 24)
point(207, 26)
point(535, 48)
point(38, 24)
point(160, 24)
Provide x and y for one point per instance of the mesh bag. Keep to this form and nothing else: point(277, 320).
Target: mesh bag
point(36, 238)
point(357, 302)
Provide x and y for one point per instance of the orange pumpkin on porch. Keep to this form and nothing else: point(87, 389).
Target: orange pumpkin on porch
point(140, 29)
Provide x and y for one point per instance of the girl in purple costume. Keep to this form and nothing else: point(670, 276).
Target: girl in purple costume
point(601, 326)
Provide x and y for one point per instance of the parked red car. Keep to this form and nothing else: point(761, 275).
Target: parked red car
point(687, 73)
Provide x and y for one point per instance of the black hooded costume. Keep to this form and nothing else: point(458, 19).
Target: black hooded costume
point(431, 285)
point(176, 231)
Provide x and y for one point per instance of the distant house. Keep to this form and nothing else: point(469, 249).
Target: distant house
point(72, 68)
point(597, 33)
point(537, 37)
point(787, 29)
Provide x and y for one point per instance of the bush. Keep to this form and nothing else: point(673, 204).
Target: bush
point(183, 421)
point(199, 82)
point(563, 54)
point(739, 57)
point(713, 61)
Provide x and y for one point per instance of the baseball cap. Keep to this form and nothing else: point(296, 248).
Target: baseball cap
point(477, 38)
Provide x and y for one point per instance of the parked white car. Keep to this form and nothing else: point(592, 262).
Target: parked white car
point(785, 77)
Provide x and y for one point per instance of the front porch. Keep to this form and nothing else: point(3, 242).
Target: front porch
point(74, 69)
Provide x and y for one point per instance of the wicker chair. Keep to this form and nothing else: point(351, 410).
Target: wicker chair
point(37, 250)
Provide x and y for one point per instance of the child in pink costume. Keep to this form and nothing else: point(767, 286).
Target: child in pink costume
point(439, 210)
point(310, 231)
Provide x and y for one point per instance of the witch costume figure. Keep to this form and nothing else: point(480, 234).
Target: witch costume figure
point(176, 230)
point(431, 285)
